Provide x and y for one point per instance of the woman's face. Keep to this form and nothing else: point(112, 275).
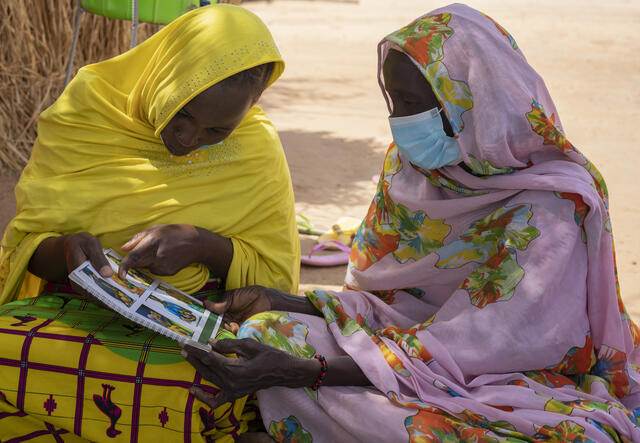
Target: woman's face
point(209, 117)
point(409, 91)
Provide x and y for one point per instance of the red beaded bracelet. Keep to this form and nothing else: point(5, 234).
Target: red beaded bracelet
point(323, 372)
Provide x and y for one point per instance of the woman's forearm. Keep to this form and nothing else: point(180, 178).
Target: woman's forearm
point(215, 252)
point(341, 371)
point(281, 301)
point(48, 261)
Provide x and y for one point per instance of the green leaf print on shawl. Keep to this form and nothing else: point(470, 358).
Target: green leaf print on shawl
point(289, 430)
point(423, 40)
point(419, 235)
point(483, 168)
point(567, 407)
point(491, 242)
point(333, 311)
point(277, 329)
point(391, 227)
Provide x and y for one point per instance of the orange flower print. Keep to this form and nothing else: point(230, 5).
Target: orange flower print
point(429, 426)
point(423, 39)
point(394, 228)
point(391, 358)
point(578, 360)
point(371, 242)
point(566, 431)
point(546, 128)
point(432, 424)
point(407, 341)
point(611, 365)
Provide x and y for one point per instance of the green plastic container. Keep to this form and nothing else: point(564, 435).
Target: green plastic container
point(149, 11)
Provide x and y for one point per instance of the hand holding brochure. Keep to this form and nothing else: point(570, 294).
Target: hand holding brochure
point(150, 302)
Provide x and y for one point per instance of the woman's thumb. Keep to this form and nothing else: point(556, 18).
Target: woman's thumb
point(219, 307)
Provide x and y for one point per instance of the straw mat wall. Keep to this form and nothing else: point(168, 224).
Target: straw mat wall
point(35, 38)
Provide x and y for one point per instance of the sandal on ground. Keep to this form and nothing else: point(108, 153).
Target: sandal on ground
point(337, 259)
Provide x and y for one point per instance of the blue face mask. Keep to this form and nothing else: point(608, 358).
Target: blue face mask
point(422, 140)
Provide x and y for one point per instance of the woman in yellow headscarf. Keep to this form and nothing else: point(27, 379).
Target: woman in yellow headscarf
point(162, 155)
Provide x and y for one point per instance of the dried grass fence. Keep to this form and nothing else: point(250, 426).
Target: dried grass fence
point(35, 38)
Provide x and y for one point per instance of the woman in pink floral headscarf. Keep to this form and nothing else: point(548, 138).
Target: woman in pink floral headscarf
point(483, 302)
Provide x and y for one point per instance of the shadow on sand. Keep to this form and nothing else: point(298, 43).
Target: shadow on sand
point(331, 170)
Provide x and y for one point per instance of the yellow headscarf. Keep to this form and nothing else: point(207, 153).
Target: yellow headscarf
point(99, 165)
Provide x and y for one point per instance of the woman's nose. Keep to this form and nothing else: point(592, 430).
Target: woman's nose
point(188, 135)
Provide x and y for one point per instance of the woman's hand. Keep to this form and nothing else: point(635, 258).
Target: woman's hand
point(56, 257)
point(237, 305)
point(166, 249)
point(257, 367)
point(163, 249)
point(83, 246)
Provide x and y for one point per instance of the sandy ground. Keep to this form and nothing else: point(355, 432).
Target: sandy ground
point(332, 118)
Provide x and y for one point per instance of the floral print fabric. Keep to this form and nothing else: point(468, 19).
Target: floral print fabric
point(481, 300)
